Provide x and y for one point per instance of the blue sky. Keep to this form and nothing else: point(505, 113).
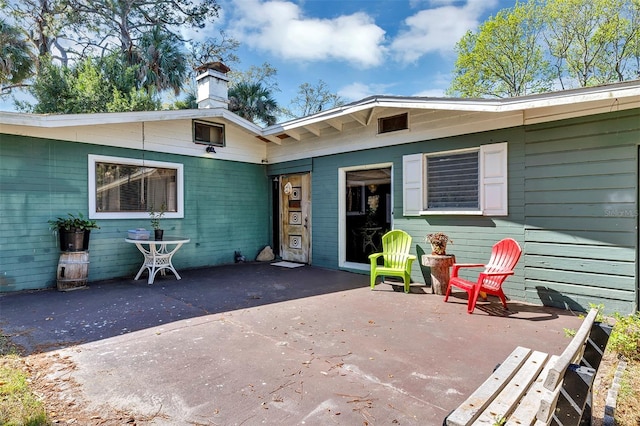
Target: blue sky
point(357, 47)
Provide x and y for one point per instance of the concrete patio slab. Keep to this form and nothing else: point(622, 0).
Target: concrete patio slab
point(252, 344)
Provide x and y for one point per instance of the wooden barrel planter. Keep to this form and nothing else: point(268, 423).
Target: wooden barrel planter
point(73, 270)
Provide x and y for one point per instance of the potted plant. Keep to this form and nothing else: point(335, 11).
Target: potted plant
point(155, 221)
point(74, 231)
point(438, 241)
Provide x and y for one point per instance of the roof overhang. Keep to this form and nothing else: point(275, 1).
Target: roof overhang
point(68, 120)
point(362, 113)
point(533, 108)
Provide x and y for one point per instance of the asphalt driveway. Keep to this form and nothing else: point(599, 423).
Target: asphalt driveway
point(251, 344)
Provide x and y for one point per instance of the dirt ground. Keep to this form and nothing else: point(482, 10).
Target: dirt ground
point(601, 386)
point(50, 381)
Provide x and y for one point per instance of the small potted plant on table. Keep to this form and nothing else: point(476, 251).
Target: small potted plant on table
point(155, 221)
point(439, 242)
point(439, 261)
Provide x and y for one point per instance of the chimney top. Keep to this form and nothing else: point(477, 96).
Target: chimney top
point(215, 66)
point(212, 82)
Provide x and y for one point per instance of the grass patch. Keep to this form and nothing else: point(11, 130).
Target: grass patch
point(18, 404)
point(625, 340)
point(628, 404)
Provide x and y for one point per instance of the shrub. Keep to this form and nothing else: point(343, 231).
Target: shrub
point(625, 337)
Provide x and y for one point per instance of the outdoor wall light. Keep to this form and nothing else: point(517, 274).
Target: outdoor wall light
point(211, 149)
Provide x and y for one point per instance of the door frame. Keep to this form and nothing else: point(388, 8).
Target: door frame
point(342, 212)
point(306, 211)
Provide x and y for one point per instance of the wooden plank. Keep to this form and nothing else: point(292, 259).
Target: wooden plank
point(584, 237)
point(471, 408)
point(547, 405)
point(571, 353)
point(526, 412)
point(582, 279)
point(544, 161)
point(549, 184)
point(602, 223)
point(507, 401)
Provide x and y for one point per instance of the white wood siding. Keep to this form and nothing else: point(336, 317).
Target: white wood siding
point(170, 136)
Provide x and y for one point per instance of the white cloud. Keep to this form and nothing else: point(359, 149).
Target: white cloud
point(438, 29)
point(281, 28)
point(356, 91)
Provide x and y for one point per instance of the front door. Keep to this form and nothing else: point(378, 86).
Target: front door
point(295, 220)
point(368, 212)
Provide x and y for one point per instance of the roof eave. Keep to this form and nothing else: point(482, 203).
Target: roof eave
point(69, 120)
point(522, 103)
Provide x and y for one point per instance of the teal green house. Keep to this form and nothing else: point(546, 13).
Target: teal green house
point(558, 172)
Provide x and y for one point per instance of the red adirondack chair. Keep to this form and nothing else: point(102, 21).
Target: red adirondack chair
point(504, 256)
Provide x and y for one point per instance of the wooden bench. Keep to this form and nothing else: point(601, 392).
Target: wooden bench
point(534, 388)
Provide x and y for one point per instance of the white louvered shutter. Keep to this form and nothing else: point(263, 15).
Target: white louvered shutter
point(412, 184)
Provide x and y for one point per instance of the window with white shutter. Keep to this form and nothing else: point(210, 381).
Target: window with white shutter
point(457, 182)
point(452, 181)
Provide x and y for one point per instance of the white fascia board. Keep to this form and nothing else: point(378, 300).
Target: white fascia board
point(67, 120)
point(575, 97)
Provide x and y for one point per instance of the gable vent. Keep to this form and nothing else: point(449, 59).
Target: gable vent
point(393, 123)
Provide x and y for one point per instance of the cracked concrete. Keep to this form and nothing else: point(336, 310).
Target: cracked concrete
point(252, 344)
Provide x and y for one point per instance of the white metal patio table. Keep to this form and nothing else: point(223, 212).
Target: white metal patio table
point(158, 255)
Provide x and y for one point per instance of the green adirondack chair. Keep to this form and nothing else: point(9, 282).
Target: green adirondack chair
point(396, 258)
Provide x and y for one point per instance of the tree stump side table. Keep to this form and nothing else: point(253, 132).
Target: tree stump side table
point(440, 265)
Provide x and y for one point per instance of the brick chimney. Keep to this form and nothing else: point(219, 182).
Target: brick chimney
point(213, 85)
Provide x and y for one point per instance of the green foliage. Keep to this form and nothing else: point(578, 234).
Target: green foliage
point(120, 26)
point(157, 215)
point(253, 102)
point(18, 405)
point(312, 99)
point(145, 37)
point(135, 100)
point(504, 58)
point(625, 337)
point(15, 61)
point(162, 61)
point(213, 49)
point(51, 89)
point(93, 85)
point(188, 102)
point(264, 75)
point(72, 222)
point(600, 317)
point(535, 46)
point(591, 40)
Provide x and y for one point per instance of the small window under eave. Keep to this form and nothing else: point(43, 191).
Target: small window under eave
point(208, 133)
point(393, 123)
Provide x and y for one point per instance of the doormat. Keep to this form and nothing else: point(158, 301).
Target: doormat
point(285, 264)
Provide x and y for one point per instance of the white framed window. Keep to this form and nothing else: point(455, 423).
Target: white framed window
point(472, 181)
point(126, 188)
point(208, 133)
